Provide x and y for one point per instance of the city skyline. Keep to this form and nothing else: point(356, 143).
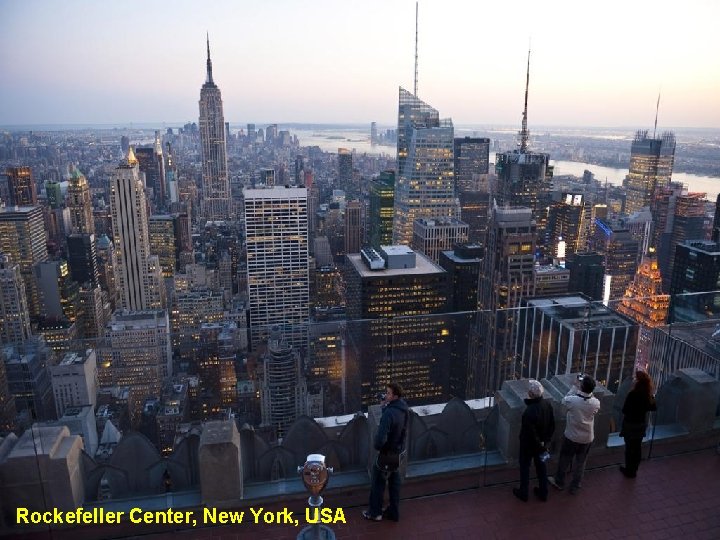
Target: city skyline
point(291, 62)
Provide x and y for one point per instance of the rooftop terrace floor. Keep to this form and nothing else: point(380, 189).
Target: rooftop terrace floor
point(672, 497)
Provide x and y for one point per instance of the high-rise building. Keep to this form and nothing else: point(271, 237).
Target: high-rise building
point(163, 241)
point(139, 355)
point(21, 186)
point(432, 236)
point(79, 202)
point(216, 366)
point(107, 262)
point(688, 224)
point(345, 168)
point(463, 267)
point(283, 391)
point(216, 184)
point(619, 251)
point(425, 185)
point(82, 259)
point(24, 240)
point(716, 221)
point(569, 220)
point(696, 270)
point(570, 334)
point(645, 304)
point(471, 163)
point(506, 277)
point(276, 224)
point(14, 317)
point(136, 286)
point(380, 213)
point(28, 377)
point(74, 380)
point(59, 294)
point(401, 297)
point(152, 165)
point(651, 166)
point(586, 274)
point(524, 177)
point(353, 227)
point(7, 401)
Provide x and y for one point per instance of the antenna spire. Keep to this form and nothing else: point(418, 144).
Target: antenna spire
point(524, 133)
point(657, 109)
point(209, 62)
point(416, 51)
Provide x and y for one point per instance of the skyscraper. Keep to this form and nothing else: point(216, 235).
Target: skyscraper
point(283, 390)
point(620, 256)
point(569, 334)
point(14, 319)
point(23, 238)
point(645, 304)
point(382, 203)
point(696, 270)
point(407, 337)
point(136, 286)
point(82, 259)
point(424, 186)
point(569, 220)
point(523, 176)
point(216, 185)
point(21, 186)
point(79, 202)
point(353, 227)
point(276, 223)
point(471, 158)
point(651, 166)
point(432, 236)
point(345, 168)
point(506, 277)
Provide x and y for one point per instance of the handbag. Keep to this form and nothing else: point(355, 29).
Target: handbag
point(388, 461)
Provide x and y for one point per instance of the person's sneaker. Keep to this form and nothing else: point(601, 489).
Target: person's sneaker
point(574, 490)
point(553, 483)
point(539, 495)
point(626, 472)
point(367, 515)
point(519, 495)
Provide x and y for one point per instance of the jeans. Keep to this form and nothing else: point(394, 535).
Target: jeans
point(540, 468)
point(633, 453)
point(378, 479)
point(571, 450)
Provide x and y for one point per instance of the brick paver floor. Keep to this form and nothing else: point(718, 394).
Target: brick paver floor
point(672, 498)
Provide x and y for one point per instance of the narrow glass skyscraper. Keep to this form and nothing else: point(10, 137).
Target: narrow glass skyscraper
point(425, 185)
point(216, 185)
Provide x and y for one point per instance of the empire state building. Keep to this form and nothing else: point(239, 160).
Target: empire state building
point(216, 186)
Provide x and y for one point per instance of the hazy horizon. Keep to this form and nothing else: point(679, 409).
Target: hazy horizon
point(328, 63)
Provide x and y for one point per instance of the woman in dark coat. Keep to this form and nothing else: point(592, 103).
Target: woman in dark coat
point(639, 401)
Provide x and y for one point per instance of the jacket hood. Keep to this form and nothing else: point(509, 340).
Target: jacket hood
point(530, 401)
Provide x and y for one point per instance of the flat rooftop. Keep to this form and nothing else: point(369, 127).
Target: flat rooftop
point(423, 266)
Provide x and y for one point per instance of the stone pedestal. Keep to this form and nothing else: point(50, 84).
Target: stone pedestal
point(221, 478)
point(41, 470)
point(690, 399)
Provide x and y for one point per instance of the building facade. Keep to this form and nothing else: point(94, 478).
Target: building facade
point(215, 182)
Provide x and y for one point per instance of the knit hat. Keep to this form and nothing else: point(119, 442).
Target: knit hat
point(535, 389)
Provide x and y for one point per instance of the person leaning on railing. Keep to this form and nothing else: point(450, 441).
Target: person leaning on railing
point(639, 401)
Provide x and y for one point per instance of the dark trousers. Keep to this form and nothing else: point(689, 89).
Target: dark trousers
point(378, 479)
point(572, 451)
point(633, 454)
point(524, 459)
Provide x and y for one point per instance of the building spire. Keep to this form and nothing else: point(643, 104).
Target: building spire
point(209, 62)
point(657, 109)
point(524, 133)
point(416, 51)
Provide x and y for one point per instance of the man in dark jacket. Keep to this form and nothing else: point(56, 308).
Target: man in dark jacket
point(390, 443)
point(536, 430)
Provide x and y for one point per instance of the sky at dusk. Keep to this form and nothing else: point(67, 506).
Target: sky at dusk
point(341, 61)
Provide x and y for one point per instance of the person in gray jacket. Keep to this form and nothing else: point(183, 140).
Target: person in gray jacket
point(582, 407)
